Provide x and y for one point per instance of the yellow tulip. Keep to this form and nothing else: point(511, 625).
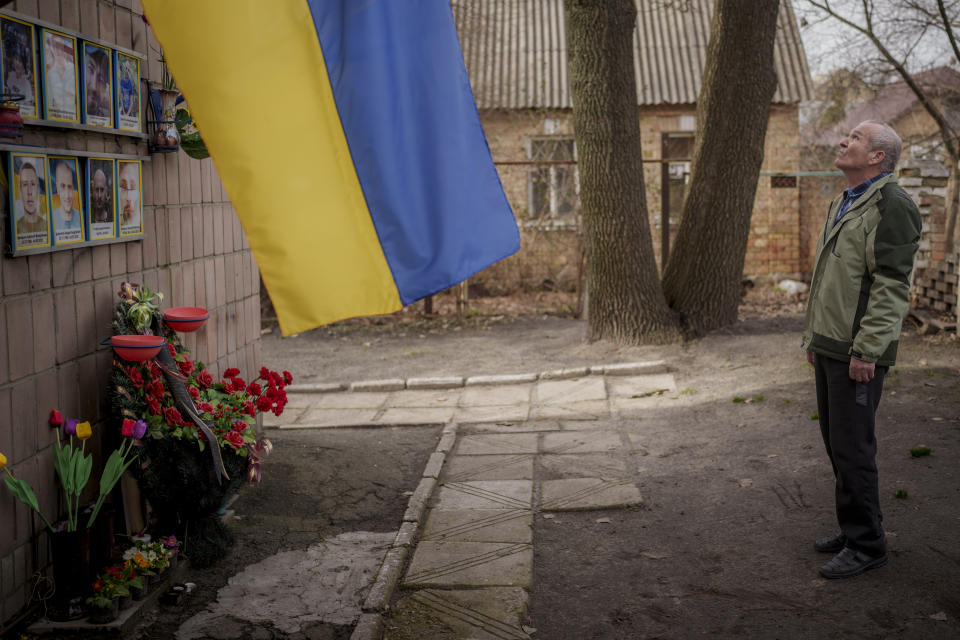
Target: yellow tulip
point(84, 431)
point(3, 461)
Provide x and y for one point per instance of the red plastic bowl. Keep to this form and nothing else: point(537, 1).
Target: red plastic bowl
point(186, 319)
point(136, 347)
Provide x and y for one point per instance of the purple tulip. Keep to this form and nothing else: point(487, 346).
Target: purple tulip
point(139, 430)
point(70, 426)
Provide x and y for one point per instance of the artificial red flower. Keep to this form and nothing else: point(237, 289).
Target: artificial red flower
point(287, 377)
point(238, 384)
point(231, 372)
point(234, 439)
point(56, 420)
point(205, 379)
point(254, 389)
point(264, 403)
point(205, 406)
point(153, 406)
point(240, 426)
point(250, 409)
point(126, 429)
point(194, 392)
point(155, 370)
point(273, 392)
point(264, 373)
point(135, 378)
point(172, 416)
point(186, 367)
point(155, 389)
point(173, 352)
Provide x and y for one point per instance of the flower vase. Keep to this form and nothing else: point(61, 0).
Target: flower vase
point(103, 615)
point(123, 602)
point(157, 577)
point(70, 551)
point(138, 593)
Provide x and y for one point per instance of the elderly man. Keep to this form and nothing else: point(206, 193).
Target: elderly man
point(858, 298)
point(101, 209)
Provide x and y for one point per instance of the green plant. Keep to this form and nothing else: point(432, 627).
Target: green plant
point(814, 416)
point(900, 494)
point(919, 452)
point(688, 391)
point(104, 591)
point(758, 399)
point(738, 399)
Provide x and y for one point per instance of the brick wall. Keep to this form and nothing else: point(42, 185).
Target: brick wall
point(550, 254)
point(56, 307)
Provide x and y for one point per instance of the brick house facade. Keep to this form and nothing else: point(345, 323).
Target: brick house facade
point(57, 306)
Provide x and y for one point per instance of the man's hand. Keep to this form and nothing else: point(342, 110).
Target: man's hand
point(809, 356)
point(861, 371)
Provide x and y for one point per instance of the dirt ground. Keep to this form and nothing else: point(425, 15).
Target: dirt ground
point(734, 491)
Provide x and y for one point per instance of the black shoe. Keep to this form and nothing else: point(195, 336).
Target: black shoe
point(850, 562)
point(833, 544)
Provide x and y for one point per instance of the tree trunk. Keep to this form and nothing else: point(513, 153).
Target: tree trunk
point(625, 302)
point(703, 275)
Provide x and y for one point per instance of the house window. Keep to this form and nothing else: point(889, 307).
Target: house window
point(678, 149)
point(552, 186)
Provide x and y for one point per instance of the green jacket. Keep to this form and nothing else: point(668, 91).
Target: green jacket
point(861, 276)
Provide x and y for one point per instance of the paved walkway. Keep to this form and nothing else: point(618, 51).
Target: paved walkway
point(512, 447)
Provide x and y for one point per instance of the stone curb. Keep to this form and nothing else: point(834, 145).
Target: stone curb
point(454, 382)
point(370, 624)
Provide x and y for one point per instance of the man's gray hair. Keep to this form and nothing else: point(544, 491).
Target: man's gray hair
point(886, 140)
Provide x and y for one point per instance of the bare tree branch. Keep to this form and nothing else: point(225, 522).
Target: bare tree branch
point(949, 29)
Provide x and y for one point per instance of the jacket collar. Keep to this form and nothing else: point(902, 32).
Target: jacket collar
point(857, 208)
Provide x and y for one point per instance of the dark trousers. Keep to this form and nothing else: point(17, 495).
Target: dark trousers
point(847, 410)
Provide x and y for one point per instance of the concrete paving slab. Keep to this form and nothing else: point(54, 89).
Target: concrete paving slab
point(591, 423)
point(578, 494)
point(327, 582)
point(510, 426)
point(485, 494)
point(583, 465)
point(470, 564)
point(416, 415)
point(568, 391)
point(574, 410)
point(641, 386)
point(302, 400)
point(493, 613)
point(627, 407)
point(516, 413)
point(289, 416)
point(480, 525)
point(497, 443)
point(581, 442)
point(327, 418)
point(463, 468)
point(315, 387)
point(349, 400)
point(421, 398)
point(495, 396)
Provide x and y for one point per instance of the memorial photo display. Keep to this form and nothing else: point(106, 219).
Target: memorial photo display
point(101, 200)
point(59, 56)
point(128, 92)
point(65, 200)
point(30, 222)
point(129, 205)
point(18, 63)
point(97, 85)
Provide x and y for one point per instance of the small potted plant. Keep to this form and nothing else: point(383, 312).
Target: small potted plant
point(104, 604)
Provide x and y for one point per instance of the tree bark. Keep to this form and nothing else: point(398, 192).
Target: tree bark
point(625, 302)
point(703, 275)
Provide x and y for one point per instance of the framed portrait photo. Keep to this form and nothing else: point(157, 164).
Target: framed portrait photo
point(58, 53)
point(97, 85)
point(101, 200)
point(30, 223)
point(65, 201)
point(129, 198)
point(128, 92)
point(18, 63)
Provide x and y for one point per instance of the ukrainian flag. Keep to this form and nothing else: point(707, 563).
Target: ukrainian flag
point(346, 134)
